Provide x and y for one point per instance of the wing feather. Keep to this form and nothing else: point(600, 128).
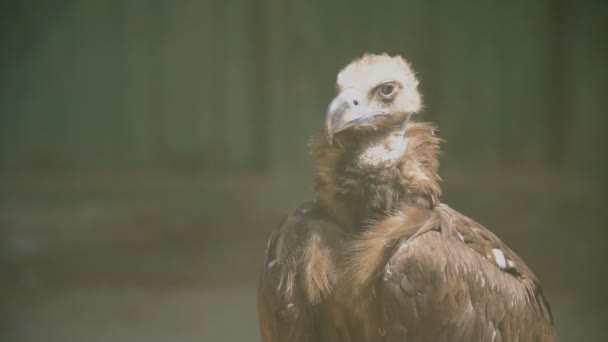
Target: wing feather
point(442, 286)
point(299, 273)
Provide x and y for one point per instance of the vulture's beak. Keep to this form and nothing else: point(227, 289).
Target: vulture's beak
point(344, 112)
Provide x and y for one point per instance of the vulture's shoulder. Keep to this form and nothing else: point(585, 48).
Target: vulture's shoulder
point(458, 273)
point(299, 272)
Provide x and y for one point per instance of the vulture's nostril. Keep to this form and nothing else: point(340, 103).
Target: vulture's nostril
point(355, 102)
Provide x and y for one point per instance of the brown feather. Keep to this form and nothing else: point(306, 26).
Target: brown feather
point(318, 269)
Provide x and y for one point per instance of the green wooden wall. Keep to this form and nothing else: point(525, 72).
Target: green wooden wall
point(242, 85)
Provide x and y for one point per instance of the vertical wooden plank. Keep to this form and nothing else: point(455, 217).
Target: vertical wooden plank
point(36, 85)
point(555, 120)
point(239, 38)
point(18, 72)
point(339, 22)
point(490, 114)
point(58, 84)
point(78, 75)
point(262, 116)
point(276, 33)
point(12, 84)
point(116, 135)
point(458, 72)
point(157, 37)
point(169, 135)
point(194, 116)
point(137, 80)
point(587, 79)
point(427, 64)
point(97, 127)
point(306, 71)
point(526, 56)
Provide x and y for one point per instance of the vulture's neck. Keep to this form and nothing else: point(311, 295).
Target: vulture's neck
point(363, 176)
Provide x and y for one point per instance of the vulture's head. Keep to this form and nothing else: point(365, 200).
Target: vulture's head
point(374, 91)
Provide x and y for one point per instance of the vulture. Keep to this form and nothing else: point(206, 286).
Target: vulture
point(376, 256)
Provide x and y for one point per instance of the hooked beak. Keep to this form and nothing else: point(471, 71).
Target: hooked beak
point(343, 114)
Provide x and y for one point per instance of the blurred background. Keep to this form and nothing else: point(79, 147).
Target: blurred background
point(148, 148)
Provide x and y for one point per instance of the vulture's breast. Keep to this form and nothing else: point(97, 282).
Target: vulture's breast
point(382, 153)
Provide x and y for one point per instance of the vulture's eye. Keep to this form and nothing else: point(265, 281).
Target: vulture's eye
point(387, 90)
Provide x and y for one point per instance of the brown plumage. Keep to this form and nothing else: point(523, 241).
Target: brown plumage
point(377, 257)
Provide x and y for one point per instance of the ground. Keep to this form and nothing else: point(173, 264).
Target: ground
point(159, 256)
